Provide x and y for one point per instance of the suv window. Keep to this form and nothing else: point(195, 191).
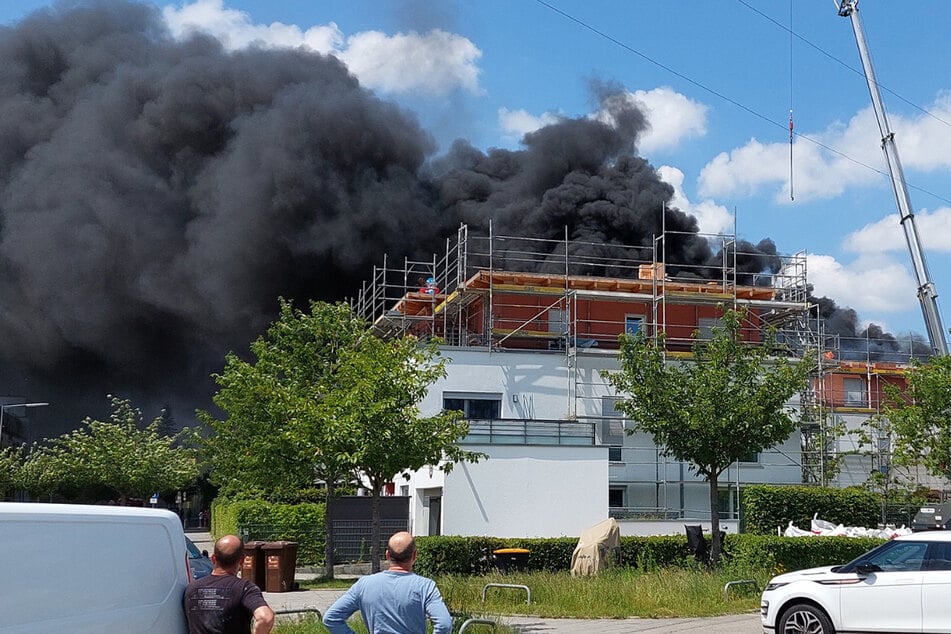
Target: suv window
point(894, 556)
point(904, 557)
point(939, 556)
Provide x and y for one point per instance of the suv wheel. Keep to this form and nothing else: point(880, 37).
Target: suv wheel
point(803, 618)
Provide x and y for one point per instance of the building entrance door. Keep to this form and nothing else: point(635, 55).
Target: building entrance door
point(435, 516)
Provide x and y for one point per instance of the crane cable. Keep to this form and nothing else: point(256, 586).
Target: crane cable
point(814, 141)
point(791, 194)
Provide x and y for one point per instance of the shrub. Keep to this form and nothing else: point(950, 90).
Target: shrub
point(781, 554)
point(767, 507)
point(447, 555)
point(267, 521)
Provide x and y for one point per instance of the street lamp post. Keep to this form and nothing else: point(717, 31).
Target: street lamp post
point(4, 408)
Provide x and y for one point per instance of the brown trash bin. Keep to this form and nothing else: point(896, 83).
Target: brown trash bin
point(280, 561)
point(252, 566)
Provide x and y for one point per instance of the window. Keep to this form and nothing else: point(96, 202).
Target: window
point(612, 423)
point(903, 557)
point(609, 407)
point(854, 389)
point(614, 454)
point(705, 327)
point(557, 321)
point(633, 324)
point(487, 407)
point(750, 458)
point(615, 497)
point(726, 503)
point(939, 556)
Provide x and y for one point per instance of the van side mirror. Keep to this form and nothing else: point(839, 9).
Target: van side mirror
point(204, 553)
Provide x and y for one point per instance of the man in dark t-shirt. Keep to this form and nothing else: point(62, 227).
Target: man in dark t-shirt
point(221, 603)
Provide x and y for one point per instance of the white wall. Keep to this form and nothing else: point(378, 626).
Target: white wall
point(527, 491)
point(538, 379)
point(535, 490)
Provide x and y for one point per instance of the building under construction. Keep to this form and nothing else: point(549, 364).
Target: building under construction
point(531, 325)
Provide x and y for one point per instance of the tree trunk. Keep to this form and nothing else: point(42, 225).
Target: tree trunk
point(715, 545)
point(375, 554)
point(329, 533)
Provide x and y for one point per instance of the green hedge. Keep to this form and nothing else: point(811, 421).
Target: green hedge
point(781, 554)
point(267, 521)
point(767, 507)
point(441, 555)
point(473, 555)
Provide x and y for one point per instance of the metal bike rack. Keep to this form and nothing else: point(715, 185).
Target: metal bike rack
point(527, 590)
point(741, 582)
point(466, 625)
point(300, 611)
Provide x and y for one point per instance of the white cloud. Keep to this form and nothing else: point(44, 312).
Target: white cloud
point(672, 118)
point(712, 218)
point(816, 173)
point(923, 141)
point(868, 284)
point(235, 30)
point(823, 173)
point(517, 123)
point(743, 170)
point(435, 62)
point(887, 234)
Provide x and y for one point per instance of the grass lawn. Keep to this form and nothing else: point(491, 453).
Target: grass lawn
point(618, 593)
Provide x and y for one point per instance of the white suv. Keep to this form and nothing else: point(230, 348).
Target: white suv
point(904, 585)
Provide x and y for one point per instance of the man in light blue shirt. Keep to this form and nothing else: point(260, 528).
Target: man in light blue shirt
point(395, 601)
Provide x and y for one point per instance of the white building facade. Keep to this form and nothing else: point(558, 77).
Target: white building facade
point(529, 335)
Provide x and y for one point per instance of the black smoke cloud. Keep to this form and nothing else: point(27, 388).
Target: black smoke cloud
point(158, 196)
point(844, 332)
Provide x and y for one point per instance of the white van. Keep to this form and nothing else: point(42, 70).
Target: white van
point(77, 568)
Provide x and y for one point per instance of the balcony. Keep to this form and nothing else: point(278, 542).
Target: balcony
point(530, 432)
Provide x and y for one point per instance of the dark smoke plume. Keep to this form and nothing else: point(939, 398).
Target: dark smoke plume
point(158, 196)
point(854, 343)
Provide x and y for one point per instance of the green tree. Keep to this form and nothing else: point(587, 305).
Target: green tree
point(120, 455)
point(167, 426)
point(45, 472)
point(726, 403)
point(888, 478)
point(300, 411)
point(10, 465)
point(921, 417)
point(377, 422)
point(278, 439)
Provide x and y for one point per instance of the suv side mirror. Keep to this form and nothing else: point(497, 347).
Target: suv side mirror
point(867, 568)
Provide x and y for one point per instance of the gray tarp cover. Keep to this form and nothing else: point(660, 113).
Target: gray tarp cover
point(596, 542)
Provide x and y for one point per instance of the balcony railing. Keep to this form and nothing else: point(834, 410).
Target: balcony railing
point(530, 432)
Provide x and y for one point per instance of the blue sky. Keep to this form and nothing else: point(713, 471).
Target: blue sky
point(718, 80)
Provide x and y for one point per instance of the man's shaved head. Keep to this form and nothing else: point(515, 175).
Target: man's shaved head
point(229, 550)
point(401, 548)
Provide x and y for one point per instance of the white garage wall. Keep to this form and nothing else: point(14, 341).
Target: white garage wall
point(527, 491)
